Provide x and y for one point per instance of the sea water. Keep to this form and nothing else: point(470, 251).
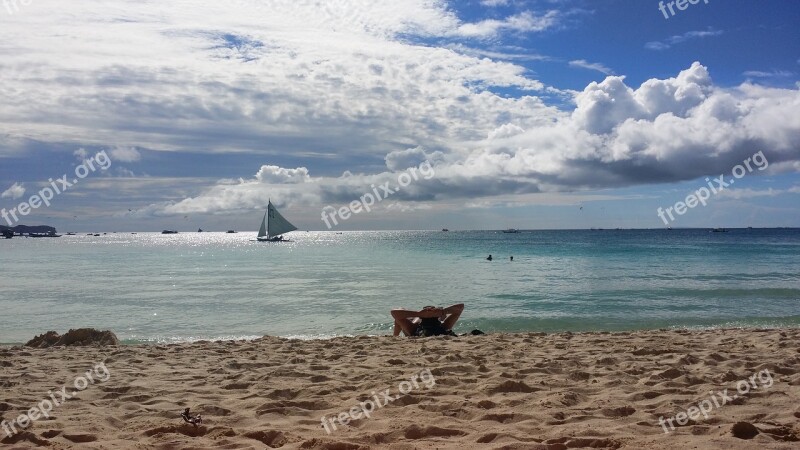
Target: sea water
point(163, 288)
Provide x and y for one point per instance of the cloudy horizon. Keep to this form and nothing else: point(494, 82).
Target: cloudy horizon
point(533, 114)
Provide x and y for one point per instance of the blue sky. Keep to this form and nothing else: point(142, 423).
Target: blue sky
point(532, 114)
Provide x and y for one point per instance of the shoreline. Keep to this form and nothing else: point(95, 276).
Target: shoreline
point(154, 342)
point(499, 391)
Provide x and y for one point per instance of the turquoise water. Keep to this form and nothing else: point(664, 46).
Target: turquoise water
point(154, 287)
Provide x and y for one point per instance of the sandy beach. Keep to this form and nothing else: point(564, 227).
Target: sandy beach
point(646, 389)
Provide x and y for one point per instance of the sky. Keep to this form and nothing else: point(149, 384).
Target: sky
point(480, 114)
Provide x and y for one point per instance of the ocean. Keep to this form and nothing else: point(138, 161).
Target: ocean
point(149, 287)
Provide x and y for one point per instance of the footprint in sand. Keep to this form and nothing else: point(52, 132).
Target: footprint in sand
point(80, 438)
point(417, 432)
point(25, 436)
point(50, 434)
point(272, 439)
point(622, 411)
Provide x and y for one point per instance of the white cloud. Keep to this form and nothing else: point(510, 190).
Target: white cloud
point(771, 74)
point(81, 154)
point(677, 39)
point(402, 159)
point(494, 3)
point(738, 194)
point(504, 131)
point(279, 175)
point(214, 77)
point(345, 81)
point(123, 172)
point(582, 63)
point(515, 54)
point(16, 191)
point(125, 154)
point(665, 130)
point(525, 22)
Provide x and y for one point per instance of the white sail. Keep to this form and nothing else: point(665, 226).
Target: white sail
point(263, 230)
point(277, 225)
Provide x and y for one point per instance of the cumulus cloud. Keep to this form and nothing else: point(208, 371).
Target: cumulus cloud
point(16, 191)
point(347, 83)
point(603, 106)
point(664, 130)
point(505, 130)
point(402, 159)
point(279, 175)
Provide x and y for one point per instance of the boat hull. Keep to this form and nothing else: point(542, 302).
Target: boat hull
point(272, 240)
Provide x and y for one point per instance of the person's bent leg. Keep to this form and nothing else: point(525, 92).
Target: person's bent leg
point(408, 327)
point(401, 322)
point(397, 329)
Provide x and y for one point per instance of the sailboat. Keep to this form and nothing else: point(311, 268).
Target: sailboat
point(273, 226)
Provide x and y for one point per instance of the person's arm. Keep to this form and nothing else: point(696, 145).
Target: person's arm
point(403, 322)
point(423, 314)
point(453, 313)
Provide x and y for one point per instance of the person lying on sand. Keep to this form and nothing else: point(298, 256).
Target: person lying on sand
point(430, 321)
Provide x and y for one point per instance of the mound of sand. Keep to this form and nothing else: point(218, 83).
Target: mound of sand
point(79, 337)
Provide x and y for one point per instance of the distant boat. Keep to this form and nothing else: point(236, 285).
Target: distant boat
point(445, 229)
point(511, 230)
point(199, 230)
point(97, 234)
point(169, 232)
point(231, 231)
point(719, 230)
point(272, 228)
point(70, 233)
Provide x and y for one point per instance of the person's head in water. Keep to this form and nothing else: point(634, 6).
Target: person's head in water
point(512, 258)
point(489, 258)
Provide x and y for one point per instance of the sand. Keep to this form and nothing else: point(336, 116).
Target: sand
point(502, 391)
